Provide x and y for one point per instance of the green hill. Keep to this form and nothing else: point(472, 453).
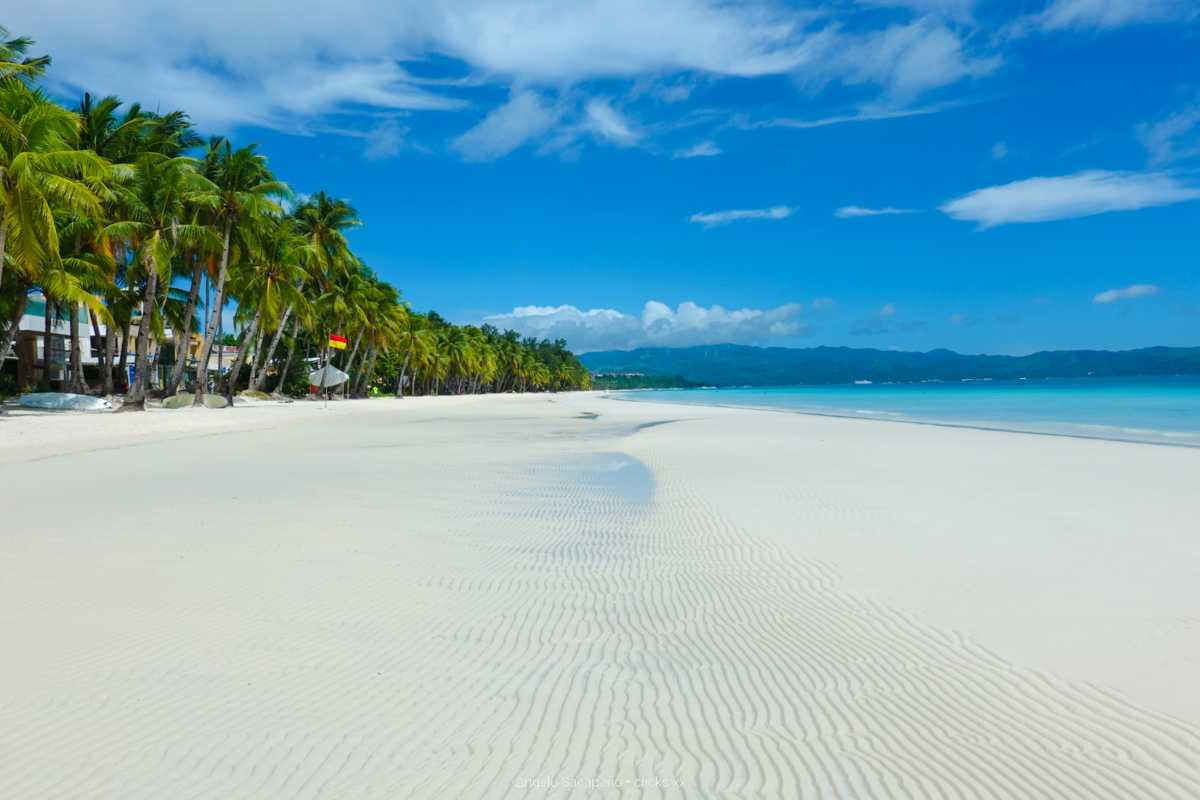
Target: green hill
point(740, 365)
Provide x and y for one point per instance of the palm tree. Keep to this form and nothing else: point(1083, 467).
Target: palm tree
point(39, 174)
point(266, 284)
point(14, 64)
point(242, 188)
point(153, 206)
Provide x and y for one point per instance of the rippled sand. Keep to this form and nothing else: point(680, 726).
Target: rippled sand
point(464, 599)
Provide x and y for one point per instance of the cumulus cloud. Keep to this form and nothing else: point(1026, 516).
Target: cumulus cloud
point(889, 310)
point(658, 326)
point(1080, 195)
point(1128, 293)
point(726, 217)
point(846, 212)
point(825, 304)
point(705, 148)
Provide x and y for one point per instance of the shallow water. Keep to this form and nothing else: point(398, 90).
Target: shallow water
point(1158, 410)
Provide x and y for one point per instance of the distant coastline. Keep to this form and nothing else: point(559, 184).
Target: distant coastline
point(727, 365)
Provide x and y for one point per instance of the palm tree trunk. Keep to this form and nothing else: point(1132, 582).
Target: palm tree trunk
point(350, 363)
point(400, 379)
point(3, 242)
point(77, 384)
point(210, 332)
point(124, 362)
point(44, 378)
point(255, 358)
point(287, 312)
point(360, 384)
point(135, 398)
point(14, 327)
point(287, 362)
point(229, 385)
point(184, 336)
point(99, 353)
point(110, 355)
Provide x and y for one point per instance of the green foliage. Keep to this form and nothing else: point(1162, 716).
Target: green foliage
point(130, 213)
point(621, 382)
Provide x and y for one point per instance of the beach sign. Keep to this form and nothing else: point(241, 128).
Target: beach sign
point(337, 341)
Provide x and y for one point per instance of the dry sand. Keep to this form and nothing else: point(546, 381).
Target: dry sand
point(447, 597)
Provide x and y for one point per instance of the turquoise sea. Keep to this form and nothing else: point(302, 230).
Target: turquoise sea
point(1157, 410)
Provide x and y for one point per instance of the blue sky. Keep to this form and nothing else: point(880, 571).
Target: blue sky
point(598, 164)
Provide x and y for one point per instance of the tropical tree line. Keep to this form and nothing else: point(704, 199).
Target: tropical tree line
point(132, 216)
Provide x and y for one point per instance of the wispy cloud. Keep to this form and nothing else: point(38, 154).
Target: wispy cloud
point(1173, 138)
point(1089, 14)
point(1128, 293)
point(879, 322)
point(1080, 195)
point(291, 61)
point(717, 218)
point(705, 148)
point(957, 318)
point(856, 211)
point(658, 326)
point(524, 117)
point(863, 116)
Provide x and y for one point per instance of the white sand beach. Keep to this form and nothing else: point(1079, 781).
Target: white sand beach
point(462, 597)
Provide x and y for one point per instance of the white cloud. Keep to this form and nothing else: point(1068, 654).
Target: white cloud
point(889, 310)
point(1172, 138)
point(999, 150)
point(1080, 195)
point(659, 326)
point(957, 318)
point(1085, 14)
point(522, 118)
point(909, 59)
point(1128, 293)
point(855, 211)
point(825, 304)
point(288, 62)
point(609, 124)
point(705, 148)
point(385, 140)
point(725, 217)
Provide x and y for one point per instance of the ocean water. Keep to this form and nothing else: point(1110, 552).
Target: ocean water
point(1157, 410)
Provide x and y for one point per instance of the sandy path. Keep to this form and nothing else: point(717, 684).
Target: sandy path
point(442, 601)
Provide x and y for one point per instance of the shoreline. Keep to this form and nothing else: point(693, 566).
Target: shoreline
point(934, 423)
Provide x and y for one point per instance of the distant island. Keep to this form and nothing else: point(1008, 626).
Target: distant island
point(636, 380)
point(742, 365)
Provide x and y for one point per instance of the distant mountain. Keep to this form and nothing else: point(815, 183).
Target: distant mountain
point(739, 365)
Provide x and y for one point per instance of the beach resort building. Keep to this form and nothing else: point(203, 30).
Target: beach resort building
point(44, 338)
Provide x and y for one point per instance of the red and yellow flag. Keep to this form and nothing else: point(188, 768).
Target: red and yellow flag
point(337, 341)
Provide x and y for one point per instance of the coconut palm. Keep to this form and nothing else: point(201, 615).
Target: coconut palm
point(39, 173)
point(266, 284)
point(153, 207)
point(242, 189)
point(14, 65)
